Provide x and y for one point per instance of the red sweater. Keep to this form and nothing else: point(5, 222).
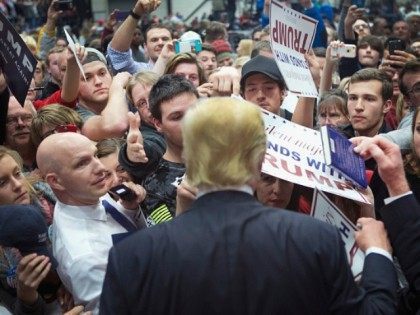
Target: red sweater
point(52, 99)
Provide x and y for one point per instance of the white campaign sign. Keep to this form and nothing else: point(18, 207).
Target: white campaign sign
point(294, 153)
point(292, 34)
point(72, 46)
point(323, 209)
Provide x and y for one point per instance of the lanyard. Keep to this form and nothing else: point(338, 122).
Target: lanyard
point(119, 217)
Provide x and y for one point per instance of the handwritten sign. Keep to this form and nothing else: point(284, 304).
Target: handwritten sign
point(292, 34)
point(16, 60)
point(323, 209)
point(294, 153)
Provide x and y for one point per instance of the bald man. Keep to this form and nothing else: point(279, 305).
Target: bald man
point(87, 221)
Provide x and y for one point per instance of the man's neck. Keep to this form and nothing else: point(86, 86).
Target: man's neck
point(55, 81)
point(68, 200)
point(93, 107)
point(173, 154)
point(370, 132)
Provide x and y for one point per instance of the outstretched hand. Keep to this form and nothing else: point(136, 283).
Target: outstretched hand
point(135, 149)
point(388, 157)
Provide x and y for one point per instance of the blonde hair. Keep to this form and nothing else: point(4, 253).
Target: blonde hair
point(30, 42)
point(223, 142)
point(245, 47)
point(239, 62)
point(145, 78)
point(52, 116)
point(27, 181)
point(399, 108)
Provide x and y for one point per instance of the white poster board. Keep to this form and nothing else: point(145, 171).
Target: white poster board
point(72, 46)
point(292, 34)
point(294, 153)
point(323, 209)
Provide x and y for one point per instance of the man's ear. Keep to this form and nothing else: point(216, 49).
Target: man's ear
point(387, 106)
point(54, 182)
point(158, 124)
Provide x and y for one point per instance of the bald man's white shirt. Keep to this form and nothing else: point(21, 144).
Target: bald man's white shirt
point(82, 238)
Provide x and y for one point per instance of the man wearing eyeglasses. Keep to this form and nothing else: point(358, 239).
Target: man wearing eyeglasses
point(410, 88)
point(361, 27)
point(18, 125)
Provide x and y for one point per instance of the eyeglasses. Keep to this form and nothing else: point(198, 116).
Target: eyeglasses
point(14, 120)
point(415, 90)
point(61, 129)
point(360, 26)
point(142, 104)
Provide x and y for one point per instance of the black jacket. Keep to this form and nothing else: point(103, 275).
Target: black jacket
point(229, 254)
point(402, 221)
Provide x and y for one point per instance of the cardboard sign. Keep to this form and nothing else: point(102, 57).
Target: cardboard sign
point(323, 209)
point(294, 153)
point(292, 34)
point(16, 60)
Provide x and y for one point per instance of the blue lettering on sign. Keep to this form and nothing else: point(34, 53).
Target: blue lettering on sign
point(344, 229)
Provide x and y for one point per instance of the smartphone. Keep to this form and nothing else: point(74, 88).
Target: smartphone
point(123, 192)
point(63, 5)
point(121, 15)
point(359, 3)
point(348, 51)
point(396, 44)
point(193, 46)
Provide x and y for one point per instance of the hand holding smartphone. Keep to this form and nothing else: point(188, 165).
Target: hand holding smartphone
point(348, 51)
point(394, 45)
point(123, 192)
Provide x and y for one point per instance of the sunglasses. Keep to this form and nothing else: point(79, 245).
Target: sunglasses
point(61, 129)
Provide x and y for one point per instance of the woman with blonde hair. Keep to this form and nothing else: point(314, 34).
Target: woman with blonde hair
point(16, 189)
point(53, 119)
point(245, 47)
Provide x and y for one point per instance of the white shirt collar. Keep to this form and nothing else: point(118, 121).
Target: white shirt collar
point(92, 212)
point(244, 188)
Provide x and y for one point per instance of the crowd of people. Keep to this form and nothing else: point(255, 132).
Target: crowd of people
point(132, 183)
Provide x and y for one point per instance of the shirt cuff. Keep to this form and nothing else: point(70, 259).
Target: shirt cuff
point(388, 200)
point(380, 251)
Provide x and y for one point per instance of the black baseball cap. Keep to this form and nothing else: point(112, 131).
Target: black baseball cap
point(24, 227)
point(264, 65)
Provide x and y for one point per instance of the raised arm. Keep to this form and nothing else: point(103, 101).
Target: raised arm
point(123, 35)
point(47, 34)
point(112, 122)
point(71, 80)
point(329, 67)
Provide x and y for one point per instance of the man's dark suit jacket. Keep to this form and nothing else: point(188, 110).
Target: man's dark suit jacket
point(402, 220)
point(231, 255)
